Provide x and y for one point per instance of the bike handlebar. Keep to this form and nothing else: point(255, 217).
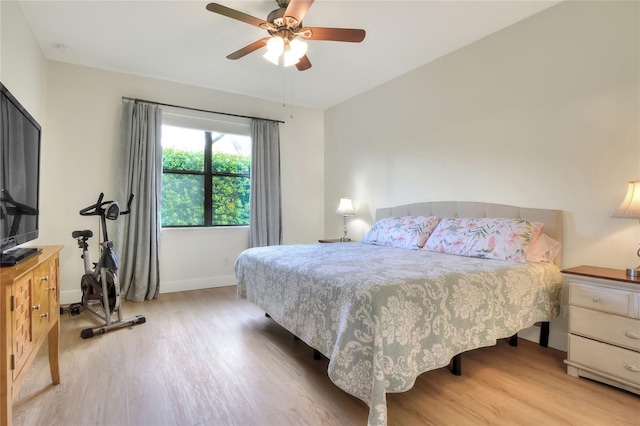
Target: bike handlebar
point(87, 210)
point(97, 210)
point(128, 204)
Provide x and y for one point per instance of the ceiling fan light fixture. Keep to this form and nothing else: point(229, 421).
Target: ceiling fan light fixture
point(290, 58)
point(290, 50)
point(298, 48)
point(274, 59)
point(275, 46)
point(284, 25)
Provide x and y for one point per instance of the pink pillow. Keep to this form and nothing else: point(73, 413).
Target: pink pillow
point(543, 249)
point(410, 232)
point(490, 238)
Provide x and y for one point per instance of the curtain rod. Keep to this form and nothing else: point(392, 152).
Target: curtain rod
point(200, 110)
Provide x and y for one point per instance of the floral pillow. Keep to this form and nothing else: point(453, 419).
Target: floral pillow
point(410, 232)
point(490, 238)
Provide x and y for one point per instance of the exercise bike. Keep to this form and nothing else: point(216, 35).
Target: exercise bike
point(99, 284)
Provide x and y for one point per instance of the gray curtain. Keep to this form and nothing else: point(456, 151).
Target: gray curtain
point(265, 219)
point(137, 238)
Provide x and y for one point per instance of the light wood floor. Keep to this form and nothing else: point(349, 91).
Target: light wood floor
point(205, 358)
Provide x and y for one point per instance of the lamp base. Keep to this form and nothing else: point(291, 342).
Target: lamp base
point(633, 273)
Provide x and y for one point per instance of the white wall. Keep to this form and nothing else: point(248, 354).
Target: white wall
point(541, 114)
point(84, 112)
point(79, 110)
point(0, 42)
point(544, 113)
point(23, 67)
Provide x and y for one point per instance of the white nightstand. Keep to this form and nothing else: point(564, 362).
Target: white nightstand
point(604, 326)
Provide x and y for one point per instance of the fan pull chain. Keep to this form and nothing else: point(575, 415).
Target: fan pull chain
point(284, 88)
point(291, 100)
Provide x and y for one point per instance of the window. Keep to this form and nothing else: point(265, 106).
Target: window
point(206, 174)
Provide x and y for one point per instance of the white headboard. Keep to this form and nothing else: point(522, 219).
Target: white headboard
point(552, 219)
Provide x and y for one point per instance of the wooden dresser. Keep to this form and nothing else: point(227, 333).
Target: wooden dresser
point(30, 312)
point(604, 326)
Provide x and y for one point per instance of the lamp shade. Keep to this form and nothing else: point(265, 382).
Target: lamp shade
point(298, 48)
point(630, 207)
point(289, 58)
point(345, 208)
point(291, 50)
point(275, 46)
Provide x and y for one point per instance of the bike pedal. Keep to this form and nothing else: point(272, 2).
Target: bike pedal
point(75, 309)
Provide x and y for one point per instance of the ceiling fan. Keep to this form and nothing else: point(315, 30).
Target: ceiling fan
point(285, 29)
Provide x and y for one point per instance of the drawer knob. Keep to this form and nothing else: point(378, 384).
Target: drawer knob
point(35, 307)
point(45, 315)
point(632, 367)
point(44, 278)
point(51, 288)
point(632, 334)
point(595, 299)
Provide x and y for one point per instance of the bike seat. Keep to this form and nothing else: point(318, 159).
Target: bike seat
point(82, 234)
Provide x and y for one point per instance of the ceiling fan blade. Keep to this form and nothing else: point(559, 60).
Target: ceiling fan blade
point(333, 34)
point(234, 14)
point(304, 63)
point(249, 48)
point(298, 8)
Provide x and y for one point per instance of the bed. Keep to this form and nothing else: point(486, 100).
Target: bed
point(383, 314)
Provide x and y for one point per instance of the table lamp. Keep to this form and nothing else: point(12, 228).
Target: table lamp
point(630, 209)
point(345, 208)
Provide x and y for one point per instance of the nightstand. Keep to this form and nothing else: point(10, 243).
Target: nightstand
point(333, 240)
point(604, 326)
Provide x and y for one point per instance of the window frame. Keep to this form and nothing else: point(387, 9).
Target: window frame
point(209, 123)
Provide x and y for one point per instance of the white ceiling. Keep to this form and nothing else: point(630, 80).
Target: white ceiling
point(181, 41)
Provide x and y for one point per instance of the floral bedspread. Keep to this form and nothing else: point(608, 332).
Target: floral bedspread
point(384, 315)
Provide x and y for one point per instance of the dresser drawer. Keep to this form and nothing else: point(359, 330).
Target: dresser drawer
point(603, 299)
point(608, 359)
point(614, 329)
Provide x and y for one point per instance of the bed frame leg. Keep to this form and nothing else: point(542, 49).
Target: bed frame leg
point(456, 367)
point(513, 340)
point(544, 334)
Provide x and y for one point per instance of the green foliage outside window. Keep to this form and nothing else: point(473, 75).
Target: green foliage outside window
point(182, 200)
point(230, 200)
point(175, 159)
point(183, 193)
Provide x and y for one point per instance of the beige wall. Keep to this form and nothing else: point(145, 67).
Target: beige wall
point(84, 112)
point(541, 114)
point(544, 113)
point(23, 67)
point(82, 108)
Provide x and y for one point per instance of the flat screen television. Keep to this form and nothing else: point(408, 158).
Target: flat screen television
point(19, 178)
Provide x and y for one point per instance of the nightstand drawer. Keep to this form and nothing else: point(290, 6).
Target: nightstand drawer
point(614, 329)
point(607, 359)
point(602, 299)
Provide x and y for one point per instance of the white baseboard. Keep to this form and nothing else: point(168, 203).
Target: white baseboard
point(557, 340)
point(197, 284)
point(73, 296)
